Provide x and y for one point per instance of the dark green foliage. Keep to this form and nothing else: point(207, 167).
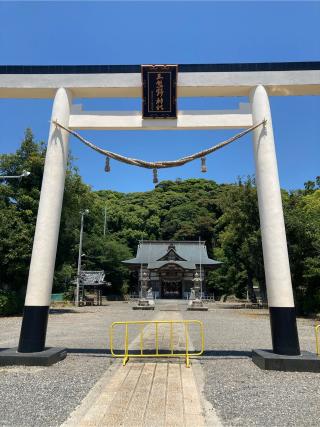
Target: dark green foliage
point(302, 215)
point(18, 209)
point(225, 216)
point(11, 302)
point(63, 278)
point(104, 254)
point(239, 240)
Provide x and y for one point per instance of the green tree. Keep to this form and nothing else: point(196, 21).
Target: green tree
point(19, 200)
point(302, 214)
point(239, 240)
point(225, 216)
point(107, 255)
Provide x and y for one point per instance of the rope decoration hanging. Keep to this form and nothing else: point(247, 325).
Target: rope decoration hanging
point(160, 164)
point(107, 167)
point(203, 164)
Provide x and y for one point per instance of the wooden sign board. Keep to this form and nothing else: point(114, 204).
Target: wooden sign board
point(159, 87)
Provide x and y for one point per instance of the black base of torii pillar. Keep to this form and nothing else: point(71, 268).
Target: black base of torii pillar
point(47, 357)
point(31, 350)
point(270, 361)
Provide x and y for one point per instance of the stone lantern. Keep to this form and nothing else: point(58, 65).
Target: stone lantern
point(197, 286)
point(144, 285)
point(145, 301)
point(196, 304)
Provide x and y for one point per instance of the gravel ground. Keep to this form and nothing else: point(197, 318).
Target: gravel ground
point(32, 396)
point(241, 393)
point(45, 396)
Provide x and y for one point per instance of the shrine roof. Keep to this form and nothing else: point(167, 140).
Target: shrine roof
point(151, 251)
point(184, 264)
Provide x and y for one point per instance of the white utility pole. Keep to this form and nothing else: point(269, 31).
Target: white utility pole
point(83, 213)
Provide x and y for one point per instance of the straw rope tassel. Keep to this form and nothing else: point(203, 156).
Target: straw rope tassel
point(155, 176)
point(203, 165)
point(107, 165)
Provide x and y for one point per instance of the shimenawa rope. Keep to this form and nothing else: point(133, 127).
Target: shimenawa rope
point(159, 164)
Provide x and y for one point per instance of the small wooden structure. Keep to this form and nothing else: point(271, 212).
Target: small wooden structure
point(93, 280)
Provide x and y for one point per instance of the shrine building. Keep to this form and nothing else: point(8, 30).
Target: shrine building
point(171, 266)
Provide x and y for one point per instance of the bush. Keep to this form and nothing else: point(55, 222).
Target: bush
point(10, 303)
point(69, 294)
point(62, 278)
point(311, 303)
point(124, 288)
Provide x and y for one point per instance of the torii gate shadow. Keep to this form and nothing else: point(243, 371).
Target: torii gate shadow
point(226, 354)
point(207, 354)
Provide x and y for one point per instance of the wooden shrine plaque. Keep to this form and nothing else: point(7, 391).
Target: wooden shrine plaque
point(159, 91)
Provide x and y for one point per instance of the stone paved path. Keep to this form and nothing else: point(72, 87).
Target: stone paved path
point(146, 394)
point(143, 394)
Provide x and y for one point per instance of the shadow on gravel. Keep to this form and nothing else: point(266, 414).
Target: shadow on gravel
point(227, 354)
point(93, 351)
point(98, 352)
point(107, 352)
point(61, 310)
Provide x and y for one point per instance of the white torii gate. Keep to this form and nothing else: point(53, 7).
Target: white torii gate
point(253, 80)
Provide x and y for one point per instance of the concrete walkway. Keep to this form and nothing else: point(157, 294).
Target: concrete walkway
point(158, 394)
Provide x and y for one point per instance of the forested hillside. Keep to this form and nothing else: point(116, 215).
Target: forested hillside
point(224, 215)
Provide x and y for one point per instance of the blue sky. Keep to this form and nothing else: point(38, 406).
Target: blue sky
point(166, 32)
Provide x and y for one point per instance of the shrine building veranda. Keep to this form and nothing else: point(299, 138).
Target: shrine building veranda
point(222, 387)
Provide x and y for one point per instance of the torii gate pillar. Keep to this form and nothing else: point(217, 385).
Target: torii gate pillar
point(274, 243)
point(35, 316)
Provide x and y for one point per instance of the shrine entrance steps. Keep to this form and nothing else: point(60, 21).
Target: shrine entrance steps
point(171, 304)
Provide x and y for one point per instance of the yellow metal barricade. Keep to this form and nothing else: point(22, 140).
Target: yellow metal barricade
point(157, 351)
point(317, 331)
